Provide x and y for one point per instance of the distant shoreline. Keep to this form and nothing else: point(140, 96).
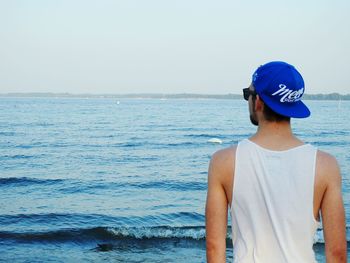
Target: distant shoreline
point(330, 96)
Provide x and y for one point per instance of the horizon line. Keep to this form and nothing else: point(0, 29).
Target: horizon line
point(319, 96)
point(146, 93)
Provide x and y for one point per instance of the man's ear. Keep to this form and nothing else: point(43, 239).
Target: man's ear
point(259, 104)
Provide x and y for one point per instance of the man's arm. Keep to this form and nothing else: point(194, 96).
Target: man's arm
point(332, 209)
point(216, 209)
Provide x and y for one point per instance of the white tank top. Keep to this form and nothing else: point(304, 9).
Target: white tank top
point(272, 204)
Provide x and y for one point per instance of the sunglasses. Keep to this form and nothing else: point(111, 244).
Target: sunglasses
point(247, 92)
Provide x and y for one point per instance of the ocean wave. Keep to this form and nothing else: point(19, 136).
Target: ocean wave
point(7, 133)
point(202, 135)
point(181, 144)
point(23, 146)
point(337, 142)
point(156, 144)
point(40, 222)
point(54, 219)
point(18, 156)
point(171, 185)
point(25, 181)
point(71, 185)
point(159, 232)
point(97, 234)
point(122, 233)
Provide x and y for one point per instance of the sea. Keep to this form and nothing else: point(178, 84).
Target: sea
point(125, 180)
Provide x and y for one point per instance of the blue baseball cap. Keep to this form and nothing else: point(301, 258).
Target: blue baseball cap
point(281, 87)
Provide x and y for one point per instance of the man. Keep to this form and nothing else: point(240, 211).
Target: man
point(274, 184)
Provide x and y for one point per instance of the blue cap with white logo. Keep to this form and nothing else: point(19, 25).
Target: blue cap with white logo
point(281, 87)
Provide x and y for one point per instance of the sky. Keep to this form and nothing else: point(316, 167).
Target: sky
point(163, 46)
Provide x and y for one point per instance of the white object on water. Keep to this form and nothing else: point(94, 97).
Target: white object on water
point(215, 140)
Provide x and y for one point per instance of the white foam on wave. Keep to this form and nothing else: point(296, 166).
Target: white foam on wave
point(159, 232)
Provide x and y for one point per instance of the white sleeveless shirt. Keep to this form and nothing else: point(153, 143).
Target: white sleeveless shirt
point(272, 204)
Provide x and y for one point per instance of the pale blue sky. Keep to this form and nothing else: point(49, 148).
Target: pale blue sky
point(162, 46)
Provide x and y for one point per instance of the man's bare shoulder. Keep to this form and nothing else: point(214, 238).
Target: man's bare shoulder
point(222, 161)
point(224, 155)
point(327, 166)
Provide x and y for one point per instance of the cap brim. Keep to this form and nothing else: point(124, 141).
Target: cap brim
point(295, 110)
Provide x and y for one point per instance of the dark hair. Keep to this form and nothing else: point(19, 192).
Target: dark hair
point(270, 115)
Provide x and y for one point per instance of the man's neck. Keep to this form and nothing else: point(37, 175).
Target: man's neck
point(275, 135)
